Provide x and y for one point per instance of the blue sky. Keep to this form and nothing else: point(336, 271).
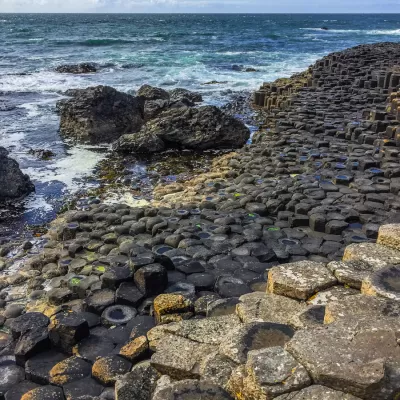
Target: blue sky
point(203, 6)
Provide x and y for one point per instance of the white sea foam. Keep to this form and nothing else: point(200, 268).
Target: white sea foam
point(69, 170)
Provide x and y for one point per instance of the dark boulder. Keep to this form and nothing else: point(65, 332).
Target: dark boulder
point(191, 128)
point(179, 94)
point(83, 68)
point(100, 114)
point(152, 93)
point(139, 143)
point(13, 183)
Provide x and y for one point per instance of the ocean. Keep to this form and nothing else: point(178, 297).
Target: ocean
point(179, 50)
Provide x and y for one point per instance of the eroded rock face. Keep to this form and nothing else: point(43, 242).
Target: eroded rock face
point(100, 114)
point(192, 128)
point(13, 183)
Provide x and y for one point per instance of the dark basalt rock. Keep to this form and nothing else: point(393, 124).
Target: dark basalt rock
point(48, 392)
point(14, 185)
point(152, 93)
point(11, 374)
point(100, 114)
point(67, 329)
point(27, 322)
point(194, 128)
point(83, 68)
point(179, 94)
point(31, 343)
point(151, 279)
point(38, 367)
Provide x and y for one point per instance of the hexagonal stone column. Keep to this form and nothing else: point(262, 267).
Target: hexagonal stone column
point(300, 280)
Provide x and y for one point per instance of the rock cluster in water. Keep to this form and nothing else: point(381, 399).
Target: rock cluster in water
point(274, 276)
point(83, 68)
point(153, 121)
point(14, 184)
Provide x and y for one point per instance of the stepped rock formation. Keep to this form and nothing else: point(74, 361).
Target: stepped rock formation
point(273, 276)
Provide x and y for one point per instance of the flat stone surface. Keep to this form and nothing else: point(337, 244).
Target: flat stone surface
point(362, 306)
point(351, 273)
point(179, 357)
point(217, 369)
point(334, 293)
point(317, 392)
point(389, 236)
point(212, 330)
point(357, 356)
point(254, 336)
point(139, 384)
point(48, 392)
point(267, 374)
point(11, 374)
point(38, 368)
point(261, 307)
point(108, 369)
point(300, 280)
point(69, 370)
point(383, 283)
point(192, 390)
point(376, 255)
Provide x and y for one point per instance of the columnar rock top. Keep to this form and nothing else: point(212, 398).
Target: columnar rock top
point(274, 276)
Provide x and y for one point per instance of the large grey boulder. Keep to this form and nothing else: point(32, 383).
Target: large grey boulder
point(192, 128)
point(100, 114)
point(13, 183)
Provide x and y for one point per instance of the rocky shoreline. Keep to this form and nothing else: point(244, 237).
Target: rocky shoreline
point(259, 279)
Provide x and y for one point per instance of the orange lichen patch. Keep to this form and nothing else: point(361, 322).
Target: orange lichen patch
point(135, 349)
point(42, 307)
point(167, 304)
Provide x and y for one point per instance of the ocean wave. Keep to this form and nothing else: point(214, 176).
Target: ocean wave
point(384, 32)
point(106, 42)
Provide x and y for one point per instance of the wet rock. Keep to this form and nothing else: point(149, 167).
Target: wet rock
point(139, 143)
point(31, 343)
point(27, 322)
point(19, 390)
point(138, 384)
point(11, 374)
point(100, 114)
point(178, 94)
point(67, 329)
point(38, 367)
point(82, 387)
point(117, 315)
point(129, 294)
point(93, 347)
point(99, 300)
point(151, 279)
point(204, 127)
point(108, 369)
point(13, 183)
point(83, 68)
point(152, 93)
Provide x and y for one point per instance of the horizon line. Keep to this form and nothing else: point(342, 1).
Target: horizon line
point(199, 13)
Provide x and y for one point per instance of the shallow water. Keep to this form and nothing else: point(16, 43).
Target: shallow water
point(163, 50)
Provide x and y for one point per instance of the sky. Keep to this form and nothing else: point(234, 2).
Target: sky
point(202, 6)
